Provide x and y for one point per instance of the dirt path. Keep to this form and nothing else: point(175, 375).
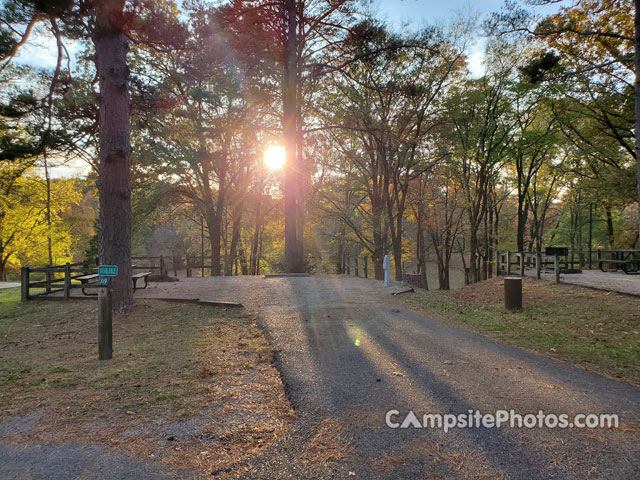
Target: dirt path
point(347, 358)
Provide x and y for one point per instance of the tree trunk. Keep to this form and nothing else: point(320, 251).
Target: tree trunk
point(523, 214)
point(293, 254)
point(255, 259)
point(377, 255)
point(114, 181)
point(235, 237)
point(397, 256)
point(474, 274)
point(378, 267)
point(244, 268)
point(214, 225)
point(636, 63)
point(48, 210)
point(443, 276)
point(609, 225)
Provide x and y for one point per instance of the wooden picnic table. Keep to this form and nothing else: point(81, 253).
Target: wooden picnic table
point(623, 258)
point(92, 278)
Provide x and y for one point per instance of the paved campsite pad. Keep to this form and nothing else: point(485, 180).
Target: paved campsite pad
point(191, 389)
point(596, 330)
point(347, 356)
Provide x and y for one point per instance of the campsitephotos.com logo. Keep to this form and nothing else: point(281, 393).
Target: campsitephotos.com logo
point(499, 419)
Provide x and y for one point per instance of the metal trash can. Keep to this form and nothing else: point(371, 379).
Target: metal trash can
point(513, 293)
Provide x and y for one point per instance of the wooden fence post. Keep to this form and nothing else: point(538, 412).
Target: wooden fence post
point(508, 263)
point(344, 263)
point(24, 284)
point(356, 266)
point(366, 266)
point(105, 347)
point(556, 267)
point(67, 281)
point(47, 277)
point(538, 265)
point(163, 267)
point(497, 263)
point(348, 265)
point(522, 264)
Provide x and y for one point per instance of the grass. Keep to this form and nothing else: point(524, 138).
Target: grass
point(171, 361)
point(596, 330)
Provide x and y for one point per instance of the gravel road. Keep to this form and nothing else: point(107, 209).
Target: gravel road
point(347, 356)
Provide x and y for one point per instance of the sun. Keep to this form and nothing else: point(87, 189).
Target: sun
point(275, 157)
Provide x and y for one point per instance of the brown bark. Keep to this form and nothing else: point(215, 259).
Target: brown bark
point(235, 237)
point(114, 181)
point(610, 230)
point(293, 253)
point(636, 63)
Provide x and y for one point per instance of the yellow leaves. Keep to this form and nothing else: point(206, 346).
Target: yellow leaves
point(24, 229)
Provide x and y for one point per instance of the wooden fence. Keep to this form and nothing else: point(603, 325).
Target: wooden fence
point(349, 263)
point(508, 263)
point(156, 265)
point(54, 279)
point(198, 262)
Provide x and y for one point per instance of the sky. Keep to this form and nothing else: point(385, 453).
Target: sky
point(411, 14)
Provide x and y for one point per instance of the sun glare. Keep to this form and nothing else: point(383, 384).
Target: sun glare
point(275, 157)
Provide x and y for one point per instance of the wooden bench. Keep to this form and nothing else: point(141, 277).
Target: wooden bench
point(136, 276)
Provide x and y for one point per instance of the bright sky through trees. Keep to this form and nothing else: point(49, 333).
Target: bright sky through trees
point(274, 157)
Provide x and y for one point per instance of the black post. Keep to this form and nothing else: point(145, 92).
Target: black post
point(513, 293)
point(105, 346)
point(590, 232)
point(202, 245)
point(366, 266)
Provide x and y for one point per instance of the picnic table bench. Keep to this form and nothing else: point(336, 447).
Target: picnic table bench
point(93, 277)
point(136, 276)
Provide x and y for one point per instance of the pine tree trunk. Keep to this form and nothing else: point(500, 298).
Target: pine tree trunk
point(293, 254)
point(636, 62)
point(114, 181)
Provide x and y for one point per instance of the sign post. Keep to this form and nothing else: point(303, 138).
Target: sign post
point(105, 310)
point(386, 265)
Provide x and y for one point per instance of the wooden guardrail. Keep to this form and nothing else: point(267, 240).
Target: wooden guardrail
point(349, 263)
point(154, 264)
point(198, 262)
point(54, 279)
point(505, 263)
